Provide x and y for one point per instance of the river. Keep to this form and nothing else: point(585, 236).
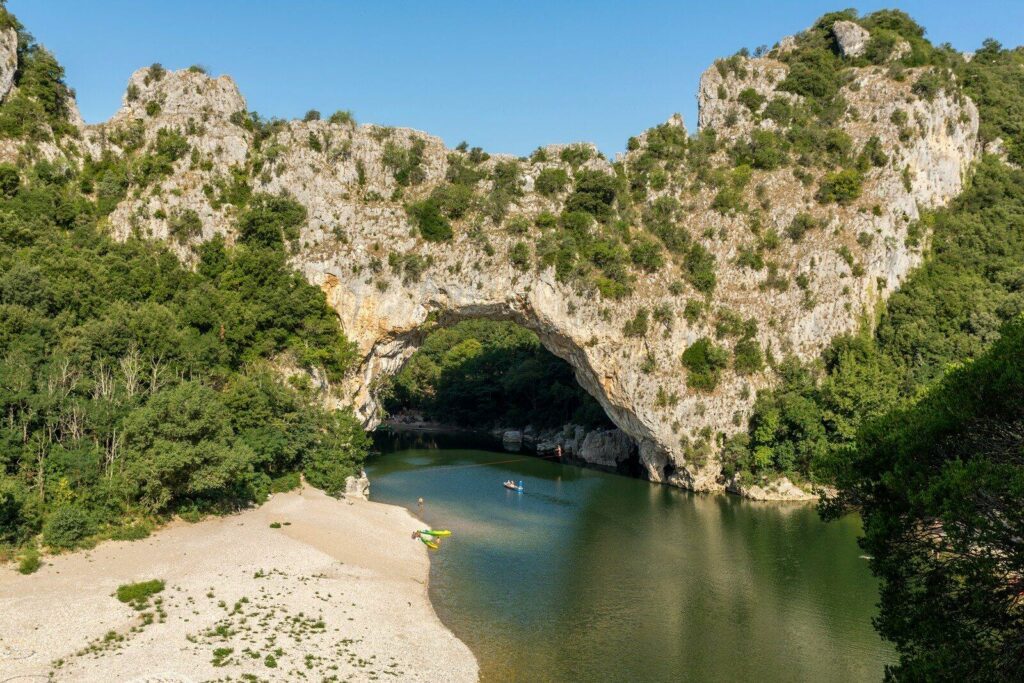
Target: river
point(591, 576)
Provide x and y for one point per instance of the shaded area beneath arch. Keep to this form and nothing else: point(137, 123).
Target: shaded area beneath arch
point(494, 381)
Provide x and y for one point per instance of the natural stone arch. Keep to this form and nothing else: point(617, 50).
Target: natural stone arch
point(357, 224)
point(388, 343)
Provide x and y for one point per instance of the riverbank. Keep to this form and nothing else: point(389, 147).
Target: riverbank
point(334, 588)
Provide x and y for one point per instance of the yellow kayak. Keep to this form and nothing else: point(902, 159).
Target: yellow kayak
point(436, 532)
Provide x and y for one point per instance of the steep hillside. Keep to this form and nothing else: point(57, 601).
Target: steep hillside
point(674, 280)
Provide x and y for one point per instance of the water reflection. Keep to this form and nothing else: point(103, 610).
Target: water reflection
point(590, 576)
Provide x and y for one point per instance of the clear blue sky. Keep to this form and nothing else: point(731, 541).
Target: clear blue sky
point(507, 76)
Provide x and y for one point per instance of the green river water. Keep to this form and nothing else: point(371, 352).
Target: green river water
point(589, 576)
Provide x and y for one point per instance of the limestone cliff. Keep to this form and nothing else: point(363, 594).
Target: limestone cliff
point(385, 281)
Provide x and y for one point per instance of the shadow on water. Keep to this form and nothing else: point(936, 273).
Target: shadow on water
point(593, 576)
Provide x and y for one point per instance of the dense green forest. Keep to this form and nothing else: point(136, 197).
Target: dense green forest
point(485, 372)
point(131, 387)
point(939, 483)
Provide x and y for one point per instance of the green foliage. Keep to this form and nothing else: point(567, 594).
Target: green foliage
point(38, 108)
point(270, 220)
point(871, 155)
point(132, 386)
point(67, 527)
point(704, 362)
point(693, 310)
point(747, 357)
point(699, 267)
point(938, 483)
point(480, 372)
point(751, 99)
point(637, 325)
point(433, 225)
point(662, 218)
point(138, 594)
point(994, 79)
point(185, 225)
point(764, 149)
point(551, 181)
point(646, 254)
point(10, 180)
point(30, 562)
point(594, 193)
point(289, 481)
point(814, 73)
point(155, 72)
point(841, 187)
point(778, 110)
point(453, 200)
point(576, 155)
point(506, 187)
point(169, 147)
point(520, 256)
point(337, 453)
point(343, 117)
point(729, 200)
point(930, 83)
point(801, 224)
point(405, 163)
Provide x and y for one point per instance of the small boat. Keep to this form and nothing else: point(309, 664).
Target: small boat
point(435, 532)
point(429, 543)
point(511, 485)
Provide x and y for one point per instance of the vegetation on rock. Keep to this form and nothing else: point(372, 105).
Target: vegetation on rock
point(131, 387)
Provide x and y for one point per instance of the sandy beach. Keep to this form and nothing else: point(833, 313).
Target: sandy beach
point(337, 592)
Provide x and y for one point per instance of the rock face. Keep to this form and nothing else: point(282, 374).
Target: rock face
point(8, 60)
point(606, 448)
point(358, 487)
point(781, 489)
point(851, 38)
point(385, 281)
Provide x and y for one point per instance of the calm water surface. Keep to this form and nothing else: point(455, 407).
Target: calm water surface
point(592, 576)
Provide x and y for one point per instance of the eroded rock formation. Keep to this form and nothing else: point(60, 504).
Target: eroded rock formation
point(385, 281)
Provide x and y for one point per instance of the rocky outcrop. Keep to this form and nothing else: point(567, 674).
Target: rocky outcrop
point(357, 486)
point(851, 38)
point(385, 282)
point(781, 489)
point(511, 439)
point(718, 107)
point(8, 60)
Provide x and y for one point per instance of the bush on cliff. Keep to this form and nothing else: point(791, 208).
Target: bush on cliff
point(704, 363)
point(427, 214)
